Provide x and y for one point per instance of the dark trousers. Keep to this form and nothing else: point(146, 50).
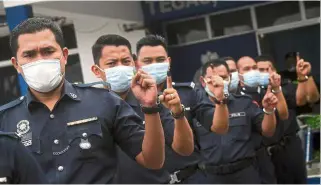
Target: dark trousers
point(199, 177)
point(248, 175)
point(289, 163)
point(265, 167)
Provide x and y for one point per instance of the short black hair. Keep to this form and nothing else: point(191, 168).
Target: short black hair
point(219, 62)
point(291, 54)
point(151, 40)
point(108, 40)
point(263, 58)
point(33, 25)
point(227, 58)
point(214, 63)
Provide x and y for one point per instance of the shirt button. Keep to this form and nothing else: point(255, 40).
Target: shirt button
point(52, 116)
point(84, 134)
point(56, 141)
point(60, 168)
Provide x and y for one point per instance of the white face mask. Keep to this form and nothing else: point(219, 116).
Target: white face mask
point(251, 78)
point(43, 75)
point(158, 71)
point(234, 81)
point(119, 78)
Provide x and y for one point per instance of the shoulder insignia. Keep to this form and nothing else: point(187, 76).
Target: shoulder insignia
point(92, 84)
point(12, 104)
point(12, 135)
point(184, 84)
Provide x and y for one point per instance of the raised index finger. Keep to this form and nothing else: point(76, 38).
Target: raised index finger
point(169, 80)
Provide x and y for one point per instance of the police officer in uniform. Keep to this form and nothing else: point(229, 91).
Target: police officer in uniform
point(72, 130)
point(17, 165)
point(232, 158)
point(153, 58)
point(115, 65)
point(254, 83)
point(286, 148)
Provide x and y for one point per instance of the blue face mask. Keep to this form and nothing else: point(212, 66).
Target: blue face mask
point(158, 71)
point(264, 79)
point(234, 81)
point(119, 78)
point(208, 91)
point(251, 78)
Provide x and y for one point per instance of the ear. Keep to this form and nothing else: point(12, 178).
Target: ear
point(97, 72)
point(65, 53)
point(202, 81)
point(15, 65)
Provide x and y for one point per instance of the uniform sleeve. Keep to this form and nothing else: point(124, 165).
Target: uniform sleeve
point(26, 167)
point(289, 92)
point(203, 109)
point(128, 130)
point(168, 123)
point(256, 116)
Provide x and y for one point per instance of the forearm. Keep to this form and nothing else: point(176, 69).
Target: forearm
point(282, 106)
point(301, 94)
point(183, 141)
point(220, 122)
point(153, 147)
point(313, 94)
point(268, 125)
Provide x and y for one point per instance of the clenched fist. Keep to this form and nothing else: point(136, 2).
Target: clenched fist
point(216, 86)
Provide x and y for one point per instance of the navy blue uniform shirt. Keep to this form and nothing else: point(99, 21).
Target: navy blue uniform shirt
point(75, 142)
point(198, 109)
point(245, 122)
point(17, 165)
point(130, 172)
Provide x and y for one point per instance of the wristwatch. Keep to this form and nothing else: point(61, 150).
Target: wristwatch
point(277, 91)
point(220, 102)
point(269, 113)
point(303, 79)
point(151, 110)
point(180, 115)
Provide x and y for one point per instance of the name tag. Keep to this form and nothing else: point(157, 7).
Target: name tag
point(82, 121)
point(237, 114)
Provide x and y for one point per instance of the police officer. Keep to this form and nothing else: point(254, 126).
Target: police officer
point(71, 130)
point(115, 65)
point(286, 148)
point(254, 83)
point(17, 165)
point(153, 58)
point(232, 159)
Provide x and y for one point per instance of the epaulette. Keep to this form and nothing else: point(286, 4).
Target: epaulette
point(12, 103)
point(184, 84)
point(92, 84)
point(12, 135)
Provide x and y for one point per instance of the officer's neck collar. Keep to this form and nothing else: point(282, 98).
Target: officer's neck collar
point(246, 89)
point(67, 91)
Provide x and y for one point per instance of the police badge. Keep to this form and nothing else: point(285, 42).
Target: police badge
point(23, 127)
point(23, 131)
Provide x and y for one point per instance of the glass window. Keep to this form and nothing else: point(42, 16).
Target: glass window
point(73, 69)
point(312, 9)
point(231, 23)
point(277, 13)
point(5, 51)
point(69, 36)
point(187, 31)
point(9, 87)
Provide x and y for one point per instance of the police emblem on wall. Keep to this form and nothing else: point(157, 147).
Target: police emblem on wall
point(23, 127)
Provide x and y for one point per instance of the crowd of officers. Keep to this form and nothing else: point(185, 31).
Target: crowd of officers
point(238, 126)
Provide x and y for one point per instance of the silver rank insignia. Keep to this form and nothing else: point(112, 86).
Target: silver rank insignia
point(23, 127)
point(85, 144)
